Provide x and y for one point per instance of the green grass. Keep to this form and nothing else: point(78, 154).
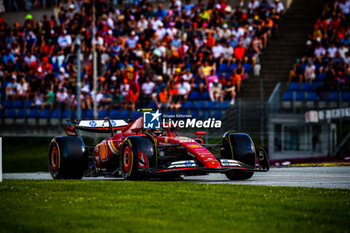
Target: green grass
point(25, 154)
point(125, 206)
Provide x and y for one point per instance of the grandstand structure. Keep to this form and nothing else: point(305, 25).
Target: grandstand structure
point(309, 113)
point(191, 58)
point(229, 60)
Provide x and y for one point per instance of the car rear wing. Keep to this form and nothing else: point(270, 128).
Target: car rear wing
point(96, 126)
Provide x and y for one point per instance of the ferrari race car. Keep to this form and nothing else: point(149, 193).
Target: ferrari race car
point(133, 152)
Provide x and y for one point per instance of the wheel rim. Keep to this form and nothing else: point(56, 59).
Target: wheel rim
point(126, 159)
point(54, 159)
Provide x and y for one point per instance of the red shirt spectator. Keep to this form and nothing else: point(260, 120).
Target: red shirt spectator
point(129, 74)
point(334, 23)
point(109, 39)
point(239, 51)
point(210, 40)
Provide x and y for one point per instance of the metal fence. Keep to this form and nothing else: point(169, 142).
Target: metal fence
point(259, 119)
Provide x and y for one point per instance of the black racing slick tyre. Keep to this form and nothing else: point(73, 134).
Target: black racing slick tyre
point(137, 154)
point(67, 158)
point(240, 147)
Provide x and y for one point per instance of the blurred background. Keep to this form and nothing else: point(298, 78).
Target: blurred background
point(275, 69)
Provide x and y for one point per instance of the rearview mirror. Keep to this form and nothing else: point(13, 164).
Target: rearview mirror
point(198, 133)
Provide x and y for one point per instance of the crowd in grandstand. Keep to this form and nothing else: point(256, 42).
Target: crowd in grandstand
point(145, 52)
point(326, 57)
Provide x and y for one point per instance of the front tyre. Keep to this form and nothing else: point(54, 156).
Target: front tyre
point(137, 154)
point(67, 158)
point(240, 147)
point(239, 175)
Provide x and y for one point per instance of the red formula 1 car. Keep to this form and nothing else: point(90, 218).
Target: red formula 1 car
point(137, 153)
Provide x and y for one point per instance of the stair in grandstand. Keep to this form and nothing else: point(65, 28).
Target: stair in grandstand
point(284, 48)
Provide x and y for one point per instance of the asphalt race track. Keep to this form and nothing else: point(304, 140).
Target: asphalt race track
point(319, 177)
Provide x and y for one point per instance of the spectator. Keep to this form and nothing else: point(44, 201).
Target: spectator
point(218, 51)
point(109, 39)
point(265, 5)
point(11, 88)
point(7, 56)
point(238, 76)
point(188, 7)
point(210, 40)
point(49, 99)
point(332, 50)
point(252, 6)
point(251, 56)
point(296, 73)
point(171, 31)
point(62, 74)
point(30, 41)
point(117, 99)
point(319, 51)
point(278, 6)
point(309, 73)
point(207, 68)
point(343, 50)
point(22, 89)
point(29, 59)
point(215, 91)
point(176, 41)
point(38, 101)
point(147, 88)
point(161, 13)
point(142, 24)
point(230, 92)
point(65, 41)
point(329, 81)
point(187, 77)
point(62, 99)
point(344, 6)
point(132, 40)
point(184, 89)
point(246, 40)
point(211, 78)
point(237, 31)
point(347, 59)
point(338, 60)
point(175, 6)
point(134, 93)
point(200, 82)
point(104, 99)
point(225, 33)
point(173, 95)
point(227, 54)
point(160, 94)
point(160, 31)
point(233, 41)
point(239, 51)
point(309, 50)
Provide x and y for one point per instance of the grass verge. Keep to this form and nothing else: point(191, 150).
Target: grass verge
point(25, 154)
point(125, 206)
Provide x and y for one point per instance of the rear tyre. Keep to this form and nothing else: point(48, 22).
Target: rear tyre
point(137, 153)
point(67, 158)
point(240, 147)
